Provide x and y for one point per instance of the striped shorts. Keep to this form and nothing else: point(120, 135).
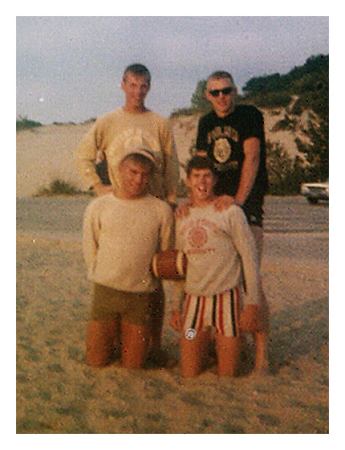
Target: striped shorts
point(220, 311)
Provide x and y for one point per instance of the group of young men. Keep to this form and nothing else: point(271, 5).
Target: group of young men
point(219, 229)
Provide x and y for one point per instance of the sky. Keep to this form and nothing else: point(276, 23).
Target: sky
point(69, 68)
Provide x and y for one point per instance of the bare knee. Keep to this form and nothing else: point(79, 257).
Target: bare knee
point(228, 352)
point(100, 339)
point(135, 340)
point(194, 354)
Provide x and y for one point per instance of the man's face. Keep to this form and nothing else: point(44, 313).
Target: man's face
point(201, 183)
point(135, 88)
point(222, 101)
point(134, 178)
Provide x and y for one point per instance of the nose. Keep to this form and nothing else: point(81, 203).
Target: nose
point(140, 179)
point(140, 91)
point(203, 182)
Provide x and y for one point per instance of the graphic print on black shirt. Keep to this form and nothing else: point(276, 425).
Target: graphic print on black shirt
point(222, 139)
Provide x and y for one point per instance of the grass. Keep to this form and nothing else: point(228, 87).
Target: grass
point(59, 187)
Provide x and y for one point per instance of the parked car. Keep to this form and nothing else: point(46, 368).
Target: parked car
point(315, 191)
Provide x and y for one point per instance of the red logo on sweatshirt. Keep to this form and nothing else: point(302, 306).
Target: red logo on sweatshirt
point(197, 237)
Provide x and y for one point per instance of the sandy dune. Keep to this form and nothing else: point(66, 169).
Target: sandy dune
point(46, 153)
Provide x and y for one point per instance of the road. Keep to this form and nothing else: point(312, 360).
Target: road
point(295, 231)
point(294, 214)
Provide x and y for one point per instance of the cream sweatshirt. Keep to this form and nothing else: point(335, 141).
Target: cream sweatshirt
point(119, 130)
point(120, 238)
point(221, 252)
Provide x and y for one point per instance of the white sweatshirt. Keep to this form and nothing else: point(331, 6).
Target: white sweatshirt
point(221, 252)
point(120, 238)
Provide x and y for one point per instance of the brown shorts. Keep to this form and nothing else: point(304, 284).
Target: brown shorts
point(108, 304)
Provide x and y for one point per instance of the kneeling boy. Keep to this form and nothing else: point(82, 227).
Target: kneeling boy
point(122, 232)
point(223, 273)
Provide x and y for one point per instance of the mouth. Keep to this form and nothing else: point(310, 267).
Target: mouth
point(202, 190)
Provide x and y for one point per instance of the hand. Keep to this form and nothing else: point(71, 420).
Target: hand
point(223, 202)
point(250, 319)
point(102, 189)
point(182, 210)
point(175, 320)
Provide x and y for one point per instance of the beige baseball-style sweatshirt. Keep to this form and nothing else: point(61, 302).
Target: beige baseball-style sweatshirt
point(120, 238)
point(115, 133)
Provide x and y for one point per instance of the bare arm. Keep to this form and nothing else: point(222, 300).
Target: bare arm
point(251, 148)
point(250, 319)
point(171, 170)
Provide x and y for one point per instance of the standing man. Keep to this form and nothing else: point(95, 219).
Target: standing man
point(111, 137)
point(233, 137)
point(122, 232)
point(129, 126)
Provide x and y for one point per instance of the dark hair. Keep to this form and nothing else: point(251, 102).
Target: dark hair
point(221, 74)
point(200, 162)
point(139, 70)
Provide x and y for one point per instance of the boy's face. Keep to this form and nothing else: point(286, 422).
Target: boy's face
point(201, 183)
point(134, 178)
point(136, 89)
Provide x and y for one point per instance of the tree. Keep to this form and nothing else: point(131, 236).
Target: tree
point(199, 101)
point(317, 151)
point(285, 173)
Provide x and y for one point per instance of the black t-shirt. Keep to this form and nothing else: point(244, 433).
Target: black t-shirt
point(222, 139)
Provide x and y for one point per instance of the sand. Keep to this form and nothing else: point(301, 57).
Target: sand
point(58, 393)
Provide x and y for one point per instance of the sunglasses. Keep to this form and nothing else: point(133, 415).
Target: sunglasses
point(225, 91)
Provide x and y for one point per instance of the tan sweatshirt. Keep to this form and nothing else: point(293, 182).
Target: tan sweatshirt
point(117, 131)
point(120, 238)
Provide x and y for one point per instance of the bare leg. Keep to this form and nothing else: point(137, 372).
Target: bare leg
point(100, 338)
point(228, 352)
point(194, 353)
point(135, 341)
point(262, 338)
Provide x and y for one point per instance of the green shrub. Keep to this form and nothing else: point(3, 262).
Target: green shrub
point(58, 187)
point(285, 174)
point(23, 123)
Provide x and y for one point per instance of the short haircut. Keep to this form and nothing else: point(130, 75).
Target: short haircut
point(139, 70)
point(142, 160)
point(199, 163)
point(220, 75)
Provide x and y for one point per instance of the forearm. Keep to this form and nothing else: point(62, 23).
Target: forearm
point(249, 170)
point(171, 166)
point(85, 159)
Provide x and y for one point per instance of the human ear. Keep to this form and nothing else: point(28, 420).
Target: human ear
point(187, 182)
